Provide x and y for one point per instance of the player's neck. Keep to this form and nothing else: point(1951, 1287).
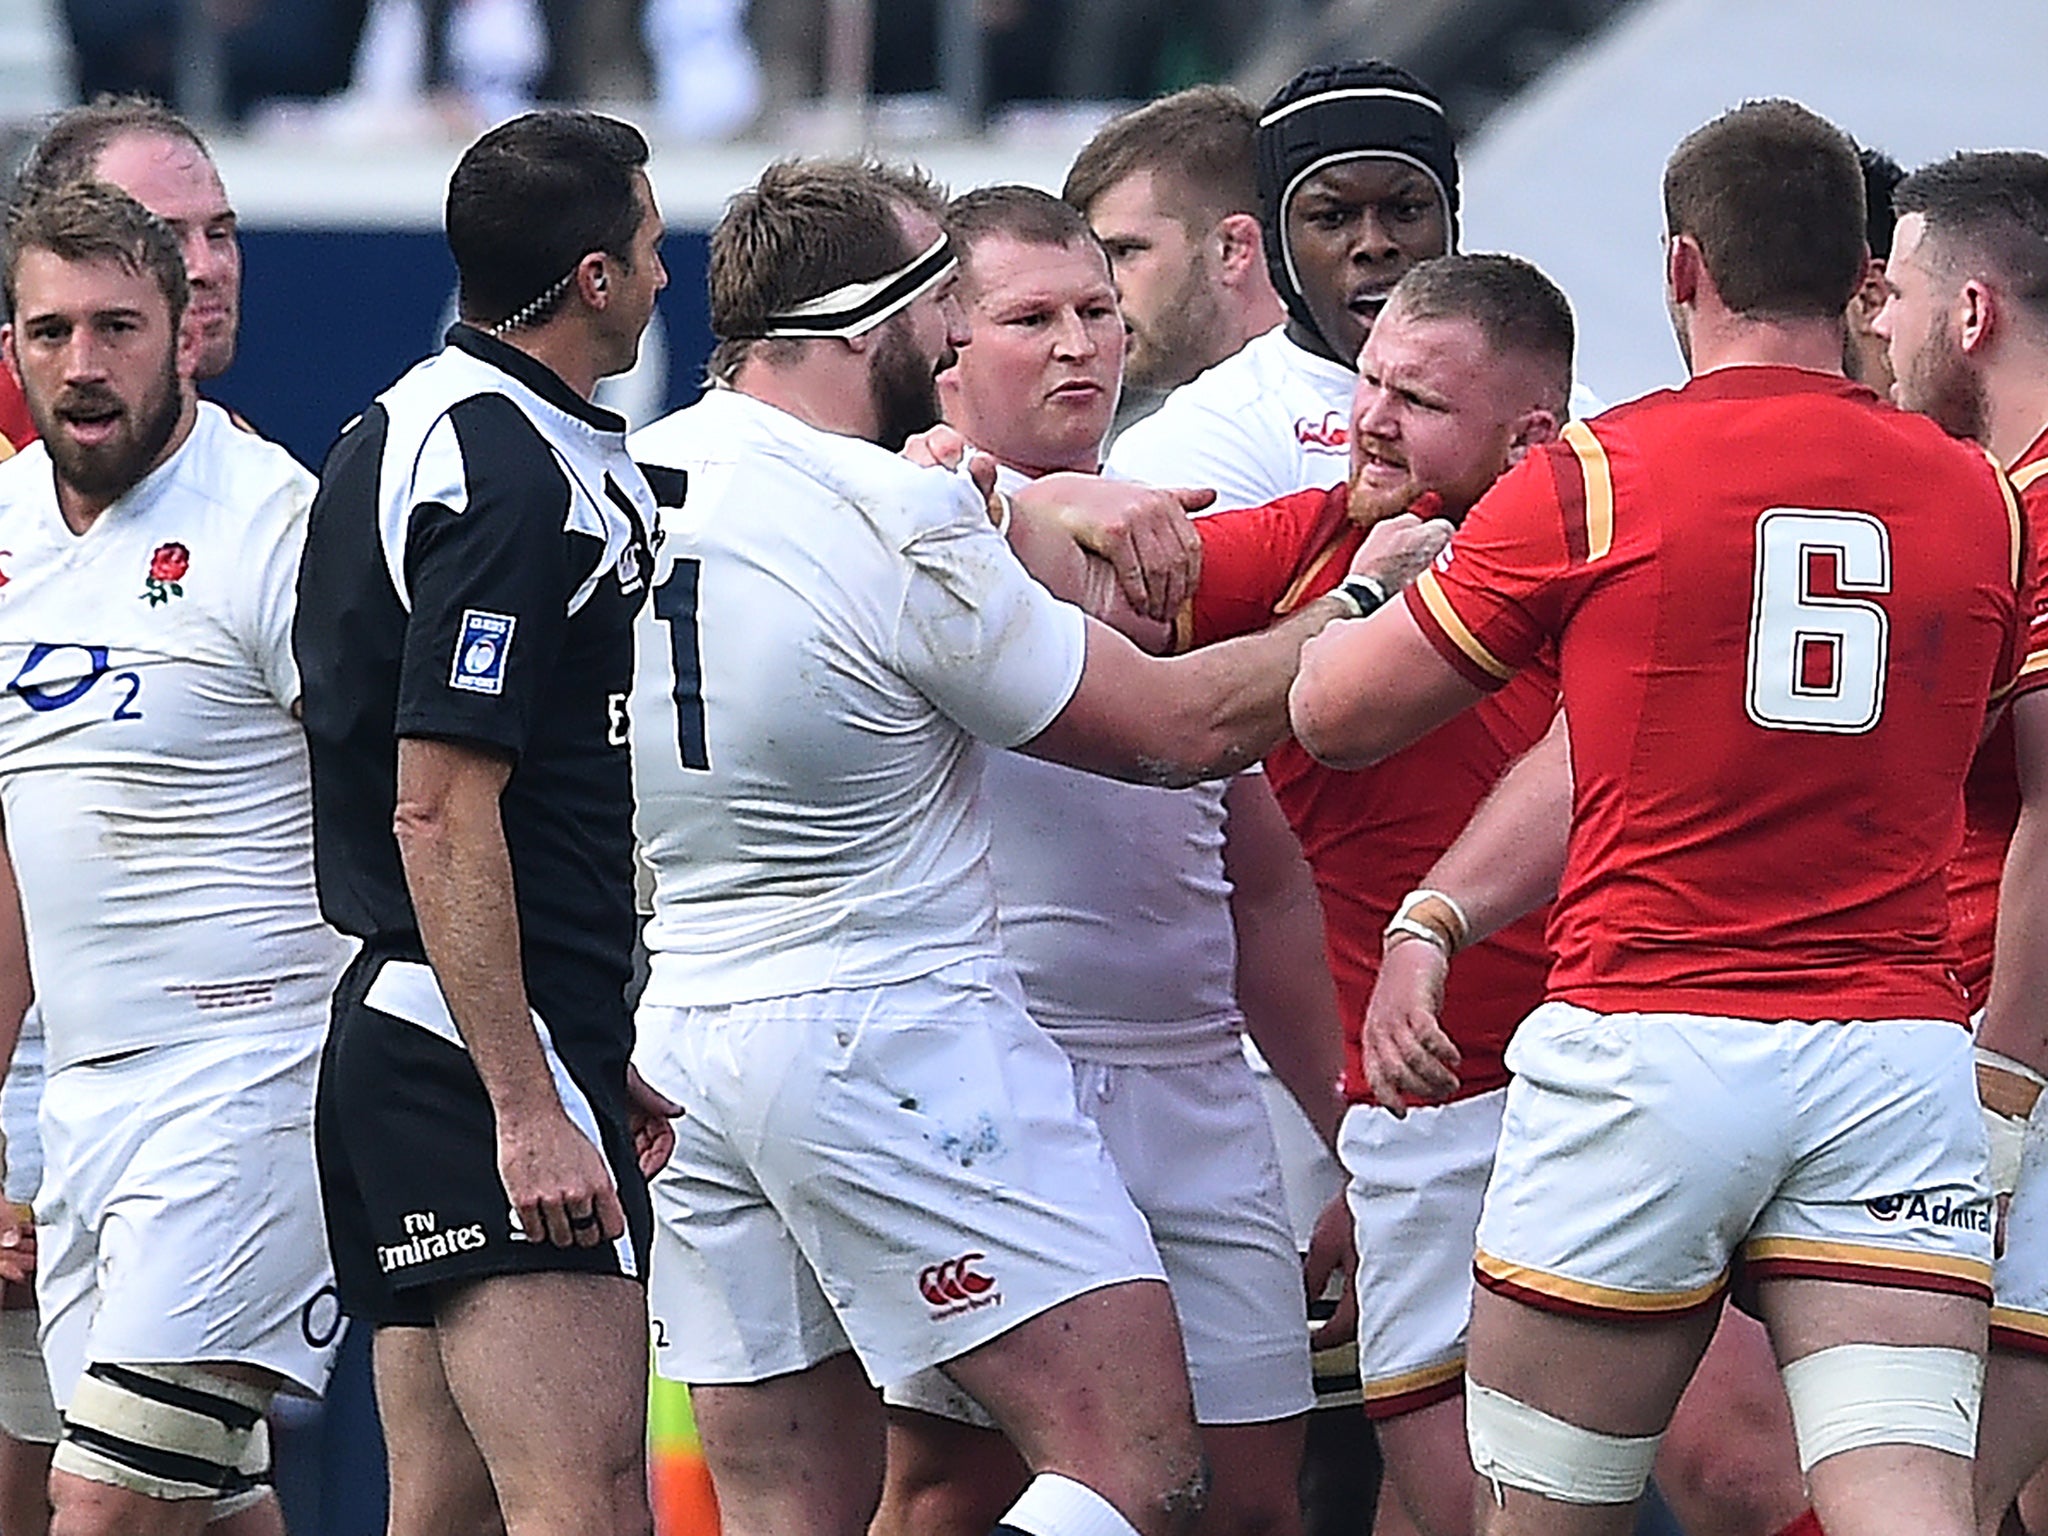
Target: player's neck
point(816, 392)
point(1721, 339)
point(81, 510)
point(2016, 406)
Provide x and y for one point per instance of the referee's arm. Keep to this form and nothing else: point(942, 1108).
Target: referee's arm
point(451, 841)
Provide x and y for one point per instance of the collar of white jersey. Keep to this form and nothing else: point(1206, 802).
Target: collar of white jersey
point(857, 308)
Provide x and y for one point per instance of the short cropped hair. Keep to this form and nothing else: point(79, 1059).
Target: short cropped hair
point(1517, 309)
point(1023, 213)
point(1198, 140)
point(73, 141)
point(1881, 177)
point(1773, 194)
point(84, 221)
point(530, 199)
point(805, 228)
point(1990, 209)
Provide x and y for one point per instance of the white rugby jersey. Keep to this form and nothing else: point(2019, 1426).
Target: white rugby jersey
point(831, 631)
point(152, 778)
point(1269, 420)
point(1114, 908)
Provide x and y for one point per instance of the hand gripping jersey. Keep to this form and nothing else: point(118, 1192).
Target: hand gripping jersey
point(1780, 607)
point(475, 558)
point(1269, 420)
point(1370, 836)
point(152, 777)
point(832, 630)
point(1991, 795)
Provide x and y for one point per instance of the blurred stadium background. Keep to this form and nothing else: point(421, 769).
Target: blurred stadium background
point(336, 122)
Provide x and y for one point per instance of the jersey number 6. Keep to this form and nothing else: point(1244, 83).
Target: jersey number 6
point(1817, 663)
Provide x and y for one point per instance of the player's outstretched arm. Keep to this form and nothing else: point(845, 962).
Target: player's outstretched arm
point(1283, 972)
point(451, 839)
point(1506, 863)
point(1216, 709)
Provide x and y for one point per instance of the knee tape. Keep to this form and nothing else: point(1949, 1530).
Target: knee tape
point(164, 1431)
point(1516, 1446)
point(1857, 1395)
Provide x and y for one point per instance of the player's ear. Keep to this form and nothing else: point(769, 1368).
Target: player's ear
point(1239, 244)
point(1976, 315)
point(7, 350)
point(594, 280)
point(1532, 430)
point(185, 347)
point(1684, 268)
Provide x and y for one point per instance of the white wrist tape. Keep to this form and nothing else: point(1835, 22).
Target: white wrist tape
point(2007, 1131)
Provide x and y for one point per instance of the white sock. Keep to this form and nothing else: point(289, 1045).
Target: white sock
point(1058, 1506)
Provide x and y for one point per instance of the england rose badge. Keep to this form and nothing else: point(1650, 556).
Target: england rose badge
point(167, 569)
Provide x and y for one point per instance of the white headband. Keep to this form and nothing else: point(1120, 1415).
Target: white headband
point(858, 308)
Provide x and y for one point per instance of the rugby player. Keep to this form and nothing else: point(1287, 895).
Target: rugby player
point(1140, 921)
point(474, 561)
point(832, 629)
point(179, 962)
point(158, 159)
point(1468, 368)
point(1864, 359)
point(1814, 690)
point(1171, 189)
point(1967, 323)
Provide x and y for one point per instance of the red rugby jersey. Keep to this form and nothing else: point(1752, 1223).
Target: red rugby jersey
point(17, 429)
point(1991, 795)
point(1780, 607)
point(1370, 836)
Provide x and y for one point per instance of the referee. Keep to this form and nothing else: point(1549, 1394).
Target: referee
point(475, 560)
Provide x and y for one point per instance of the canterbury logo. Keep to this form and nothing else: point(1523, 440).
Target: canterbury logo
point(1333, 431)
point(955, 1281)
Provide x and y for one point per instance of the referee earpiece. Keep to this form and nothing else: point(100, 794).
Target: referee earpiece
point(599, 283)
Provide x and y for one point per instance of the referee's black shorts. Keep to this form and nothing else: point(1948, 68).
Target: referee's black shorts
point(407, 1150)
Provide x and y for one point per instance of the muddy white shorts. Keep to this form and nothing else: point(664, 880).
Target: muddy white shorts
point(902, 1169)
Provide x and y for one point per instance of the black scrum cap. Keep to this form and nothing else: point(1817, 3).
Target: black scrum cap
point(1331, 113)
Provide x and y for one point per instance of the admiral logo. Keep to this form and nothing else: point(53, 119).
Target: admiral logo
point(956, 1286)
point(480, 652)
point(1333, 432)
point(426, 1241)
point(1940, 1211)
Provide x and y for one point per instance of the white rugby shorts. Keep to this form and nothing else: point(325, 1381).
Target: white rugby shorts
point(1640, 1153)
point(179, 1216)
point(899, 1169)
point(1195, 1150)
point(1415, 1192)
point(2019, 1280)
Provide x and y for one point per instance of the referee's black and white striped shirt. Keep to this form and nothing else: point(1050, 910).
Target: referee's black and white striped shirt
point(475, 558)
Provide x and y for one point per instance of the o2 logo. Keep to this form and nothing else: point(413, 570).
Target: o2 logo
point(56, 676)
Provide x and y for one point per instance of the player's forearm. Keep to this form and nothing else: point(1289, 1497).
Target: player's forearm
point(1283, 976)
point(1508, 860)
point(1059, 563)
point(1225, 706)
point(451, 841)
